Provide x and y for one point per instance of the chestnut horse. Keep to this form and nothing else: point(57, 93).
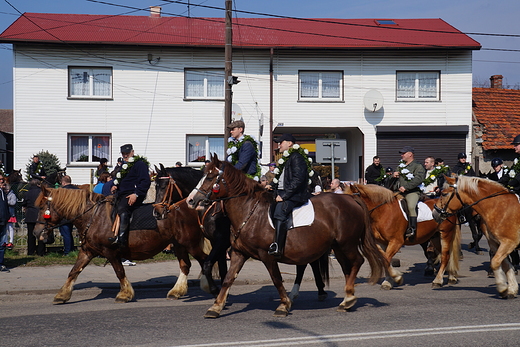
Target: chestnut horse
point(90, 213)
point(500, 212)
point(340, 222)
point(389, 225)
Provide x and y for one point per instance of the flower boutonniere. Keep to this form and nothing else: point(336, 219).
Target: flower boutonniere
point(234, 148)
point(467, 168)
point(125, 168)
point(404, 172)
point(382, 175)
point(285, 156)
point(436, 172)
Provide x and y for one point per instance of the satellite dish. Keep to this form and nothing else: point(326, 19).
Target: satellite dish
point(373, 100)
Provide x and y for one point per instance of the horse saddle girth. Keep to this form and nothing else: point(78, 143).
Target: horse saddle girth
point(301, 216)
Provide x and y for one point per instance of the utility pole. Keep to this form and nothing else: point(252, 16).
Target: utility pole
point(228, 96)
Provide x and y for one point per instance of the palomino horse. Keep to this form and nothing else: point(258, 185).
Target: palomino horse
point(90, 213)
point(389, 225)
point(340, 222)
point(500, 212)
point(173, 184)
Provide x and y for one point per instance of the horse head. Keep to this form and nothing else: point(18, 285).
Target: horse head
point(446, 205)
point(209, 186)
point(48, 218)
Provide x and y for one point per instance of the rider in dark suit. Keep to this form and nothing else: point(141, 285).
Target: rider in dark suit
point(498, 174)
point(291, 191)
point(514, 182)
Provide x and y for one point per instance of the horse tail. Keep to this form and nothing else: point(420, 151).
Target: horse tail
point(379, 266)
point(453, 263)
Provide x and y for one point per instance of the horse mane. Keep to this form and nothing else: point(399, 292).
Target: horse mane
point(236, 181)
point(68, 203)
point(377, 194)
point(471, 184)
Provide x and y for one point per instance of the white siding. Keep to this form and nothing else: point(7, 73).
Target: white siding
point(148, 107)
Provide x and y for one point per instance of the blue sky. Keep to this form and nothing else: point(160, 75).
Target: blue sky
point(469, 16)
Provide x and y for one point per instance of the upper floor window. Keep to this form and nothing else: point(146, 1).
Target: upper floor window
point(90, 82)
point(321, 85)
point(418, 85)
point(204, 83)
point(200, 147)
point(88, 148)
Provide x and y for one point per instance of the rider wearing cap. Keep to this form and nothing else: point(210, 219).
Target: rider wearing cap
point(498, 174)
point(514, 182)
point(291, 191)
point(411, 175)
point(247, 154)
point(132, 184)
point(463, 167)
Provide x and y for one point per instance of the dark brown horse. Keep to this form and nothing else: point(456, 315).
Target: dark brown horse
point(340, 223)
point(389, 225)
point(90, 213)
point(500, 212)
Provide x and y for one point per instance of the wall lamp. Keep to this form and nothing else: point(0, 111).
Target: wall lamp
point(151, 60)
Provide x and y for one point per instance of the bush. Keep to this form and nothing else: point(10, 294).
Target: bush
point(51, 163)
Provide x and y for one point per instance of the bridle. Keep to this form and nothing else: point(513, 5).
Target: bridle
point(166, 202)
point(443, 211)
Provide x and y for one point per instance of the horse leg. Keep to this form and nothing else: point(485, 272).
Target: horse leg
point(237, 262)
point(394, 276)
point(449, 247)
point(274, 271)
point(317, 269)
point(181, 285)
point(350, 261)
point(295, 291)
point(126, 292)
point(65, 291)
point(499, 265)
point(476, 232)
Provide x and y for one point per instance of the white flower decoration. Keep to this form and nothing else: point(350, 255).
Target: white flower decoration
point(310, 181)
point(402, 165)
point(125, 166)
point(285, 153)
point(118, 175)
point(296, 146)
point(229, 159)
point(410, 176)
point(512, 173)
point(438, 167)
point(280, 161)
point(310, 160)
point(233, 149)
point(405, 171)
point(256, 178)
point(228, 151)
point(230, 139)
point(306, 151)
point(131, 159)
point(276, 171)
point(116, 182)
point(275, 180)
point(515, 161)
point(311, 173)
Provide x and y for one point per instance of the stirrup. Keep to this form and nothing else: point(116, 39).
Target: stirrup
point(273, 249)
point(113, 240)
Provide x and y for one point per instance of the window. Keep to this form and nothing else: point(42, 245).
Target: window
point(88, 148)
point(418, 86)
point(204, 83)
point(200, 147)
point(320, 85)
point(90, 82)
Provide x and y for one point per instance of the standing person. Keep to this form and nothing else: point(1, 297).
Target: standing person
point(66, 228)
point(31, 217)
point(4, 218)
point(514, 182)
point(291, 191)
point(374, 171)
point(335, 186)
point(498, 174)
point(132, 184)
point(411, 175)
point(11, 201)
point(430, 184)
point(270, 174)
point(463, 167)
point(243, 150)
point(102, 167)
point(36, 170)
point(178, 164)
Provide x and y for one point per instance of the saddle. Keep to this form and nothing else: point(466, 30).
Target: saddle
point(142, 219)
point(423, 211)
point(299, 217)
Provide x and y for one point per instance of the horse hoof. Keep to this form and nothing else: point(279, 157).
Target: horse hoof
point(173, 297)
point(122, 300)
point(386, 286)
point(280, 313)
point(59, 301)
point(399, 281)
point(479, 253)
point(453, 281)
point(347, 305)
point(211, 314)
point(322, 297)
point(436, 285)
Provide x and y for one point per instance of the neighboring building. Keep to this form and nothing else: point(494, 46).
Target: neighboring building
point(496, 113)
point(6, 139)
point(86, 84)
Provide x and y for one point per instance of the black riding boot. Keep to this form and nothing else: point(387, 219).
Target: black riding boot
point(276, 248)
point(412, 227)
point(122, 236)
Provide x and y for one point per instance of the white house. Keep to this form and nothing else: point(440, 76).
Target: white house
point(86, 84)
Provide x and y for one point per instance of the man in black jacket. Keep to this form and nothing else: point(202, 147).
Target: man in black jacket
point(374, 171)
point(291, 191)
point(36, 170)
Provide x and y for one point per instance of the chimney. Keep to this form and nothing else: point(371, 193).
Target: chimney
point(155, 11)
point(496, 81)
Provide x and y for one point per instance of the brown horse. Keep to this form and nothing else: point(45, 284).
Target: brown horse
point(90, 213)
point(500, 212)
point(340, 223)
point(389, 225)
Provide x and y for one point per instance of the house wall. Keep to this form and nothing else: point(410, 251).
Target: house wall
point(149, 111)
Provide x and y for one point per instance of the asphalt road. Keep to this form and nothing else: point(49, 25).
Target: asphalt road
point(465, 314)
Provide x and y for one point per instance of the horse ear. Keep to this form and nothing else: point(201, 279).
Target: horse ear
point(163, 169)
point(214, 159)
point(157, 169)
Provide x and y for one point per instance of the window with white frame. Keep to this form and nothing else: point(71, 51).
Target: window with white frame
point(88, 148)
point(418, 85)
point(204, 83)
point(320, 85)
point(90, 82)
point(200, 147)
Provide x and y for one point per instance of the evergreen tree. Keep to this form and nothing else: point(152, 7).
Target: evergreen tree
point(50, 162)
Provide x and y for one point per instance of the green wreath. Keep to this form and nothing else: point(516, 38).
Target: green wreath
point(285, 156)
point(125, 168)
point(234, 147)
point(439, 170)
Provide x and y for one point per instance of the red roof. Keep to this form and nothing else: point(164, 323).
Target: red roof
point(498, 110)
point(247, 32)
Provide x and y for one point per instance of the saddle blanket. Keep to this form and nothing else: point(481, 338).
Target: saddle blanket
point(424, 214)
point(301, 216)
point(143, 219)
